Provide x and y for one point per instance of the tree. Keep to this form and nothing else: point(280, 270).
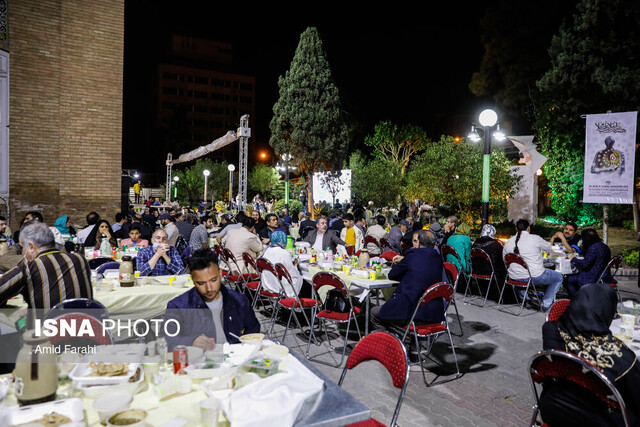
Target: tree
point(308, 121)
point(191, 183)
point(379, 180)
point(263, 179)
point(449, 173)
point(333, 182)
point(397, 144)
point(595, 67)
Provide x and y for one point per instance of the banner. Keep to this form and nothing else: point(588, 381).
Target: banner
point(609, 158)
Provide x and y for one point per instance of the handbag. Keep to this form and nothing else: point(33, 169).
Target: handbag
point(336, 302)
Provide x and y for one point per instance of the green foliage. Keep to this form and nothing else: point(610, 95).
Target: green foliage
point(450, 173)
point(592, 72)
point(378, 180)
point(191, 183)
point(629, 224)
point(262, 179)
point(631, 257)
point(395, 144)
point(308, 121)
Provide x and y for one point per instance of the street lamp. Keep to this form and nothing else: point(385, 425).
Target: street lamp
point(231, 168)
point(488, 119)
point(206, 183)
point(175, 187)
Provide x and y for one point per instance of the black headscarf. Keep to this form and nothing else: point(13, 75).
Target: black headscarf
point(584, 327)
point(92, 238)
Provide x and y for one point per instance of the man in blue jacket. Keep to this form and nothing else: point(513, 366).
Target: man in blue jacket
point(417, 270)
point(209, 313)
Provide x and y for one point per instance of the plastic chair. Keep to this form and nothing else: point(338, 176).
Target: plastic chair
point(79, 309)
point(325, 278)
point(294, 304)
point(614, 263)
point(517, 259)
point(556, 309)
point(224, 268)
point(265, 266)
point(253, 283)
point(237, 280)
point(373, 241)
point(94, 263)
point(551, 365)
point(110, 265)
point(450, 250)
point(430, 332)
point(451, 271)
point(187, 252)
point(387, 349)
point(479, 254)
point(388, 255)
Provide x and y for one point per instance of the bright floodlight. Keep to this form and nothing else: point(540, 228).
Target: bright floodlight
point(539, 172)
point(499, 135)
point(473, 135)
point(206, 172)
point(286, 157)
point(231, 167)
point(488, 117)
point(176, 179)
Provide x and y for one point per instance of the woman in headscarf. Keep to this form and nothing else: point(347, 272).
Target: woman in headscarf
point(94, 239)
point(493, 248)
point(583, 330)
point(596, 257)
point(62, 224)
point(276, 253)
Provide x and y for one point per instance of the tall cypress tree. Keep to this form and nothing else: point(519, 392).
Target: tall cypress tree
point(308, 121)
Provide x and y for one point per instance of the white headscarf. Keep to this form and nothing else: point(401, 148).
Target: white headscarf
point(488, 230)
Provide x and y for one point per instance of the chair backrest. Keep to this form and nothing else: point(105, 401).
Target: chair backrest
point(449, 250)
point(480, 254)
point(249, 261)
point(614, 263)
point(437, 290)
point(556, 309)
point(111, 265)
point(384, 242)
point(187, 252)
point(326, 278)
point(555, 364)
point(230, 258)
point(306, 230)
point(512, 258)
point(387, 349)
point(181, 244)
point(98, 333)
point(283, 273)
point(388, 255)
point(350, 250)
point(451, 271)
point(265, 265)
point(371, 239)
point(94, 263)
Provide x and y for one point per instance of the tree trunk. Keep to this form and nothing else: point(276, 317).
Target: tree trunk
point(310, 195)
point(605, 223)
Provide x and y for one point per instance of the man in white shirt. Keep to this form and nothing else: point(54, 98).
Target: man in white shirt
point(378, 232)
point(92, 219)
point(241, 240)
point(168, 223)
point(530, 248)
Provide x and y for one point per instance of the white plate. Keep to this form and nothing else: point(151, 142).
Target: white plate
point(70, 408)
point(80, 375)
point(93, 391)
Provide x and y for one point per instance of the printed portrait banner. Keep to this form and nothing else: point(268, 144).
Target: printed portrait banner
point(609, 158)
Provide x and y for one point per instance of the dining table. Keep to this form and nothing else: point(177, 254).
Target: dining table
point(359, 287)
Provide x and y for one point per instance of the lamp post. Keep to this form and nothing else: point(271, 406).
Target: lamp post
point(488, 119)
point(231, 168)
point(175, 187)
point(206, 174)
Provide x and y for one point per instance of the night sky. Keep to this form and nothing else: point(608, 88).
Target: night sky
point(407, 66)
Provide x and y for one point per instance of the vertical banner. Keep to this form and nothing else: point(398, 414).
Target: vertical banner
point(609, 158)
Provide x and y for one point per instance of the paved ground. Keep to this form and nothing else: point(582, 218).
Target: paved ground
point(493, 354)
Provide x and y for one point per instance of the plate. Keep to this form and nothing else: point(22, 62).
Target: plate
point(70, 408)
point(93, 391)
point(80, 375)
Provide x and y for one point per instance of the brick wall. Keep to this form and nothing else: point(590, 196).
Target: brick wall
point(66, 64)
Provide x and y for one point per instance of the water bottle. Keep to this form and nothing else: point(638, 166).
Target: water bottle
point(105, 247)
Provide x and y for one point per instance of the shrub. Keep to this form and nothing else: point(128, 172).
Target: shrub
point(631, 257)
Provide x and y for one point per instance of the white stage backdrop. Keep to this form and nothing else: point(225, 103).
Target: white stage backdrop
point(609, 158)
point(321, 190)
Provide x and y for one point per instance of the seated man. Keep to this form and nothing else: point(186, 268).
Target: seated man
point(530, 247)
point(321, 238)
point(208, 314)
point(378, 232)
point(160, 259)
point(419, 268)
point(567, 237)
point(46, 276)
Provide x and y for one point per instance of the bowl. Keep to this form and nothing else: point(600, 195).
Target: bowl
point(129, 418)
point(275, 351)
point(253, 339)
point(105, 286)
point(179, 283)
point(112, 403)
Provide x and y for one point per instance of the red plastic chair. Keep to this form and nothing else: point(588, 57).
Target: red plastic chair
point(450, 250)
point(387, 349)
point(325, 278)
point(80, 309)
point(253, 283)
point(556, 309)
point(388, 255)
point(551, 365)
point(350, 250)
point(518, 283)
point(265, 266)
point(237, 278)
point(614, 264)
point(294, 304)
point(373, 241)
point(224, 268)
point(481, 256)
point(451, 271)
point(430, 332)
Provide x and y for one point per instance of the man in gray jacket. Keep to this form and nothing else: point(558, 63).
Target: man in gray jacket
point(321, 238)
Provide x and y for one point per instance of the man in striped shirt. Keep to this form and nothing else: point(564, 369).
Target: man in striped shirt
point(46, 276)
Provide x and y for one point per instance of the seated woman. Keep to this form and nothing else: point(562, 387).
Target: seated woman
point(461, 242)
point(94, 239)
point(583, 330)
point(276, 253)
point(493, 248)
point(596, 257)
point(134, 239)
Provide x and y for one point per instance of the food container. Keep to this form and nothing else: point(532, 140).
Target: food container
point(129, 418)
point(253, 339)
point(275, 352)
point(179, 283)
point(112, 403)
point(264, 367)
